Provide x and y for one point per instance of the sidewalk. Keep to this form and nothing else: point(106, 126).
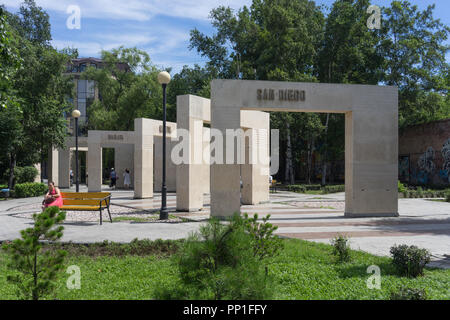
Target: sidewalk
point(311, 217)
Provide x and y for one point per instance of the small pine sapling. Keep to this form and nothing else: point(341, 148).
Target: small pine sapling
point(34, 270)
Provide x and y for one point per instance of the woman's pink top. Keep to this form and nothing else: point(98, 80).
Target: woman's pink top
point(57, 202)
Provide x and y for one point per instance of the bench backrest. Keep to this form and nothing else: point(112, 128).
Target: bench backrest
point(85, 198)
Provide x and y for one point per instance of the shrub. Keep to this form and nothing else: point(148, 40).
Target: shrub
point(265, 244)
point(28, 175)
point(419, 192)
point(333, 189)
point(406, 293)
point(35, 272)
point(401, 187)
point(341, 248)
point(25, 190)
point(219, 262)
point(447, 197)
point(24, 174)
point(296, 188)
point(410, 260)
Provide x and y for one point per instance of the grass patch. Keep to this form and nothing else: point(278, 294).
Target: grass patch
point(303, 270)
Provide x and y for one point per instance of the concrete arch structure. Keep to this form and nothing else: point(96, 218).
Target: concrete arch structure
point(193, 178)
point(371, 139)
point(139, 150)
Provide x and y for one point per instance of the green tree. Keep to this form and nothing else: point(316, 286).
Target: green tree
point(128, 87)
point(40, 84)
point(34, 271)
point(10, 61)
point(270, 40)
point(414, 50)
point(194, 80)
point(348, 53)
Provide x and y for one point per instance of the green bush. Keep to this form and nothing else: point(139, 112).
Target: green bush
point(410, 260)
point(297, 188)
point(26, 190)
point(219, 262)
point(447, 197)
point(333, 189)
point(406, 293)
point(25, 174)
point(401, 187)
point(341, 249)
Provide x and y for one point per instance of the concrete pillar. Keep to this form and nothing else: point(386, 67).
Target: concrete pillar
point(143, 159)
point(371, 163)
point(123, 159)
point(64, 168)
point(191, 176)
point(95, 162)
point(255, 171)
point(53, 165)
point(225, 178)
point(38, 176)
point(157, 165)
point(206, 160)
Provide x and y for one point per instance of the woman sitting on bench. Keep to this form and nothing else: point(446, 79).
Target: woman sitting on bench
point(53, 197)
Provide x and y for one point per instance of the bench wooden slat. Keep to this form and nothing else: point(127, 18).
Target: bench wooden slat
point(84, 195)
point(94, 202)
point(80, 208)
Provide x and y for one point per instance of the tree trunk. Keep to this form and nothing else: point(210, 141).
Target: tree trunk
point(289, 170)
point(324, 155)
point(12, 165)
point(42, 158)
point(309, 160)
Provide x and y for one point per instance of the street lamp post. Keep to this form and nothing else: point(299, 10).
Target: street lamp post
point(164, 79)
point(76, 114)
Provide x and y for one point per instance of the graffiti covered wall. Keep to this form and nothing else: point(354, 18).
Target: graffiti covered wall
point(424, 154)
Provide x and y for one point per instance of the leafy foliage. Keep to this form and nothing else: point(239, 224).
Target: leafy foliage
point(414, 52)
point(341, 249)
point(129, 89)
point(265, 243)
point(35, 272)
point(223, 261)
point(407, 293)
point(29, 189)
point(38, 89)
point(410, 260)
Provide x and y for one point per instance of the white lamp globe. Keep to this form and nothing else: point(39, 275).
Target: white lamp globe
point(76, 113)
point(163, 77)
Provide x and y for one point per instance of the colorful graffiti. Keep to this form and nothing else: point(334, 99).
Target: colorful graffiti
point(428, 170)
point(446, 165)
point(403, 168)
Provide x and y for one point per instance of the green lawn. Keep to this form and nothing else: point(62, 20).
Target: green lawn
point(304, 270)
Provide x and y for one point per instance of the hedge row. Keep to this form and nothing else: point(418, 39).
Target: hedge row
point(426, 194)
point(302, 188)
point(30, 189)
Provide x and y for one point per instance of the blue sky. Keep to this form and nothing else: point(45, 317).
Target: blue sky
point(160, 27)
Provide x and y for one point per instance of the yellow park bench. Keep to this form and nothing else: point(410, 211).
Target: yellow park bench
point(87, 201)
point(273, 186)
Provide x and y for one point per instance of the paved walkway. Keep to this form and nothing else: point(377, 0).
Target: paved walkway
point(317, 218)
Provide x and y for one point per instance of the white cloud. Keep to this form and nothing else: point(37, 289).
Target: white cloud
point(138, 10)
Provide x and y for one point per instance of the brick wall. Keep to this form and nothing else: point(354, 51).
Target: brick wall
point(424, 154)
